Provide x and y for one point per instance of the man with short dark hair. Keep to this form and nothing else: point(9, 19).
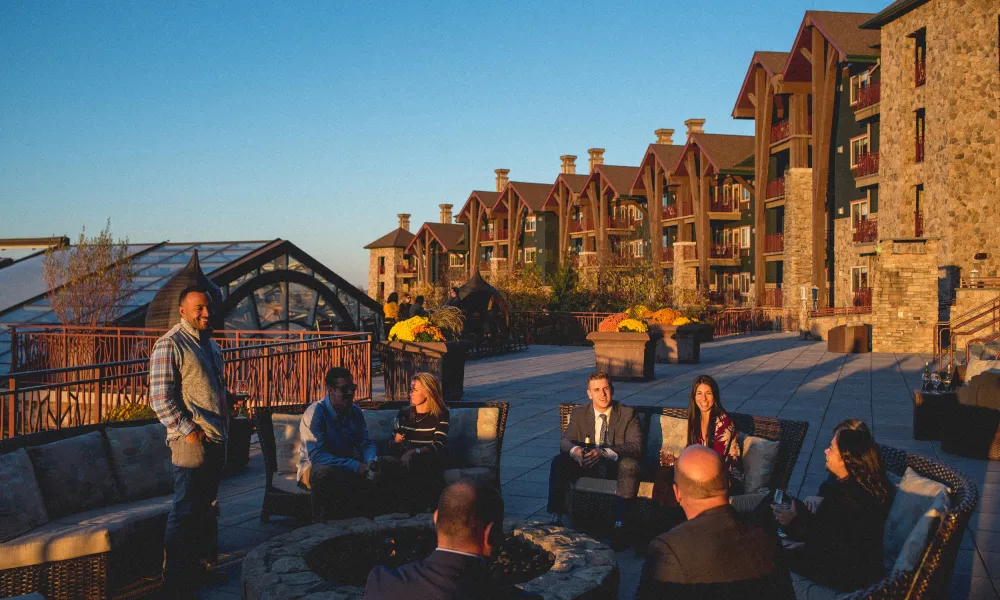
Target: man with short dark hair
point(603, 440)
point(332, 432)
point(715, 553)
point(469, 523)
point(188, 393)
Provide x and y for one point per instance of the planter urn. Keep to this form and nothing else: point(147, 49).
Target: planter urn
point(445, 360)
point(678, 343)
point(625, 355)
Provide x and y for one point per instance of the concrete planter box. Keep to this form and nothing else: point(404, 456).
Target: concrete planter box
point(678, 343)
point(625, 356)
point(706, 332)
point(446, 360)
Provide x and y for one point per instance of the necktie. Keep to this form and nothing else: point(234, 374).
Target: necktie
point(604, 431)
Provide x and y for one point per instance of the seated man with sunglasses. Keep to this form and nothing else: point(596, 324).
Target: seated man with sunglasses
point(333, 432)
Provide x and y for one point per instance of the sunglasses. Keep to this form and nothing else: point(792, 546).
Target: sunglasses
point(347, 388)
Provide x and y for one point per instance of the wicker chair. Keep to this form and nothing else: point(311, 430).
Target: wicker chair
point(282, 503)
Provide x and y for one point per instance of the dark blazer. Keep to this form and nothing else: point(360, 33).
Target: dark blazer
point(715, 555)
point(440, 576)
point(624, 433)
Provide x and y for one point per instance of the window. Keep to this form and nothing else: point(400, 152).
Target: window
point(919, 135)
point(745, 237)
point(918, 212)
point(859, 82)
point(456, 260)
point(859, 212)
point(859, 148)
point(745, 194)
point(637, 249)
point(920, 58)
point(744, 283)
point(529, 224)
point(530, 254)
point(859, 278)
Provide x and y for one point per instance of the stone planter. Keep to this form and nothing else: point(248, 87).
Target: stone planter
point(446, 360)
point(678, 343)
point(625, 356)
point(706, 332)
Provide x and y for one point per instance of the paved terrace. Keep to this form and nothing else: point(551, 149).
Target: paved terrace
point(768, 374)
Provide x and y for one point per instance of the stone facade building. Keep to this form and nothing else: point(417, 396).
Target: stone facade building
point(390, 268)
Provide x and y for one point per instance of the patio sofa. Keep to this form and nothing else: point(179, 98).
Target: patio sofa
point(475, 441)
point(83, 511)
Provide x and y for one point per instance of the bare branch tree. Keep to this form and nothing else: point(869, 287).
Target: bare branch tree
point(92, 282)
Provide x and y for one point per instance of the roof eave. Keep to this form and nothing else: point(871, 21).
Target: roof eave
point(891, 13)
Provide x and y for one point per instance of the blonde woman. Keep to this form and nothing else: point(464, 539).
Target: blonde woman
point(421, 430)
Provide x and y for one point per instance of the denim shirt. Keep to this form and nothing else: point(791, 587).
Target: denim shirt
point(332, 439)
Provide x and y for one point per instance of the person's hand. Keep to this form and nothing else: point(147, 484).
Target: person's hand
point(784, 515)
point(812, 503)
point(576, 453)
point(408, 457)
point(398, 439)
point(591, 458)
point(195, 437)
point(363, 469)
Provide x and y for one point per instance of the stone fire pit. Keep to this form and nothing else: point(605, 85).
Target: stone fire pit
point(584, 568)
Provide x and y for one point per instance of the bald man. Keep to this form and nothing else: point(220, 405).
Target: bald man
point(715, 553)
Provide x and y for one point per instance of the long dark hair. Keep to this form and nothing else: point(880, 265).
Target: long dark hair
point(864, 466)
point(393, 297)
point(694, 414)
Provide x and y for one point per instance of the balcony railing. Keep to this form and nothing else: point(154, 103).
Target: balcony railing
point(678, 209)
point(780, 130)
point(668, 254)
point(774, 242)
point(866, 231)
point(726, 205)
point(918, 224)
point(381, 269)
point(867, 165)
point(920, 73)
point(626, 222)
point(492, 236)
point(863, 296)
point(724, 251)
point(920, 150)
point(772, 297)
point(578, 226)
point(406, 269)
point(775, 188)
point(725, 297)
point(867, 96)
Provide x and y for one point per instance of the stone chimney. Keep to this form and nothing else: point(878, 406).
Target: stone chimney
point(404, 221)
point(445, 213)
point(568, 164)
point(695, 126)
point(664, 137)
point(502, 178)
point(596, 157)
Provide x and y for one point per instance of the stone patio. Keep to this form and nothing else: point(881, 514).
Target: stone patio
point(767, 374)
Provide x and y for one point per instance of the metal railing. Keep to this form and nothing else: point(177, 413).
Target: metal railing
point(578, 226)
point(841, 311)
point(862, 298)
point(774, 242)
point(983, 318)
point(739, 321)
point(406, 269)
point(775, 188)
point(678, 209)
point(868, 95)
point(920, 73)
point(780, 130)
point(866, 231)
point(867, 165)
point(287, 372)
point(918, 224)
point(726, 205)
point(919, 152)
point(724, 251)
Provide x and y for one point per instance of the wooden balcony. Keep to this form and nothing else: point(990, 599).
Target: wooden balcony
point(493, 236)
point(622, 223)
point(775, 188)
point(867, 165)
point(724, 251)
point(782, 130)
point(724, 205)
point(678, 210)
point(406, 270)
point(725, 297)
point(868, 96)
point(581, 226)
point(866, 231)
point(584, 259)
point(774, 242)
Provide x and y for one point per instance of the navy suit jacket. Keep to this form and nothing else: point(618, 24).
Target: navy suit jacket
point(440, 576)
point(624, 432)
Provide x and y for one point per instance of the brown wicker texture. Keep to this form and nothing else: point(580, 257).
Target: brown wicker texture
point(280, 503)
point(84, 578)
point(593, 507)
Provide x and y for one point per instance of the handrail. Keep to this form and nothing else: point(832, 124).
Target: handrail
point(984, 310)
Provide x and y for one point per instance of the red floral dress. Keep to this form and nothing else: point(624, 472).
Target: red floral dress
point(727, 445)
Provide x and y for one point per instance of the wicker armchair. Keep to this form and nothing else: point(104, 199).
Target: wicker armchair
point(282, 503)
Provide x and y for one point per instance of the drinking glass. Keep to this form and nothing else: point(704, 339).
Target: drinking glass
point(935, 382)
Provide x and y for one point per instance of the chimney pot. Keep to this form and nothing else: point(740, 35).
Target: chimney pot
point(695, 126)
point(404, 221)
point(664, 137)
point(502, 178)
point(596, 157)
point(445, 213)
point(568, 164)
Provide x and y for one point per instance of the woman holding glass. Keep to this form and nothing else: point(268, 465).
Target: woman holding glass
point(420, 431)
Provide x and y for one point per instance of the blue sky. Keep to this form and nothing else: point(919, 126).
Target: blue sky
point(317, 122)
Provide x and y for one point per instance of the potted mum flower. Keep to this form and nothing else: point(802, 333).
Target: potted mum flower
point(427, 344)
point(624, 347)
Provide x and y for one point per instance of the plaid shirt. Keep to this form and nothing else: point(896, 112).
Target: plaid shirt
point(165, 396)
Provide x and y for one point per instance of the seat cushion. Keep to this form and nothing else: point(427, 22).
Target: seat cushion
point(74, 474)
point(286, 442)
point(666, 433)
point(760, 456)
point(52, 542)
point(125, 521)
point(595, 485)
point(483, 474)
point(380, 423)
point(472, 436)
point(915, 496)
point(806, 589)
point(22, 507)
point(141, 461)
point(287, 482)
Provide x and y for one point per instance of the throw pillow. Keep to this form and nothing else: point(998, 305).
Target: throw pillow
point(675, 435)
point(74, 474)
point(141, 459)
point(472, 436)
point(379, 424)
point(760, 456)
point(286, 442)
point(914, 498)
point(915, 544)
point(21, 505)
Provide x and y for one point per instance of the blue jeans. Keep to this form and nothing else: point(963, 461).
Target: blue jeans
point(192, 535)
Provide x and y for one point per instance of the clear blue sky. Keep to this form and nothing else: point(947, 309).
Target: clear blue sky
point(317, 122)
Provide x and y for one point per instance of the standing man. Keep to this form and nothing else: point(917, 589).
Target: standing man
point(332, 432)
point(615, 447)
point(188, 394)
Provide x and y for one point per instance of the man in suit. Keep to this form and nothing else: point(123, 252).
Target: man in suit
point(469, 523)
point(616, 445)
point(715, 553)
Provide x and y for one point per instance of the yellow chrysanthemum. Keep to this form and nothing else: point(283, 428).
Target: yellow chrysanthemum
point(404, 331)
point(664, 316)
point(639, 311)
point(681, 321)
point(633, 325)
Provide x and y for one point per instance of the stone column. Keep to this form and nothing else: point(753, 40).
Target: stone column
point(685, 274)
point(798, 237)
point(905, 296)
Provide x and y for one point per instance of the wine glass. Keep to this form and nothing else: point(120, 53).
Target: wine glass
point(946, 381)
point(241, 390)
point(935, 382)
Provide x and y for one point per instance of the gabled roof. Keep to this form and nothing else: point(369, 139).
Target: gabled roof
point(619, 178)
point(397, 238)
point(533, 195)
point(572, 181)
point(773, 63)
point(842, 30)
point(487, 199)
point(664, 155)
point(723, 152)
point(892, 12)
point(450, 236)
